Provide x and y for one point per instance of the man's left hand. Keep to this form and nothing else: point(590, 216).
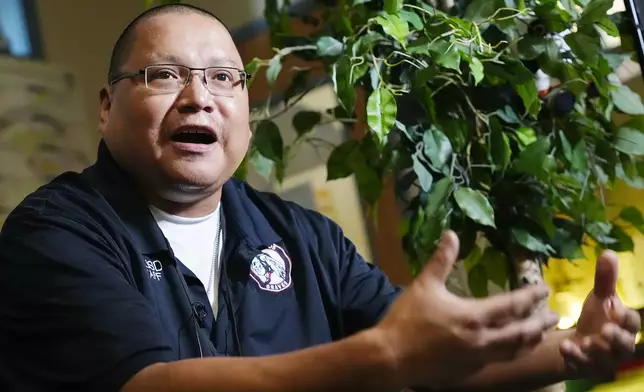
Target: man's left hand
point(606, 330)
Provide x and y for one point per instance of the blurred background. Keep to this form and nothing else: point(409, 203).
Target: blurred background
point(53, 60)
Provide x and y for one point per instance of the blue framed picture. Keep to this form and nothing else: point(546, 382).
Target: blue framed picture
point(19, 33)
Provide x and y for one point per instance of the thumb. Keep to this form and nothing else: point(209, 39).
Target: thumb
point(606, 275)
point(442, 261)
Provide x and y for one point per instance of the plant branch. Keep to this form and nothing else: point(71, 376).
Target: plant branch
point(288, 107)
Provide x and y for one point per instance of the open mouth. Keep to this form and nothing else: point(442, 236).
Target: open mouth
point(194, 136)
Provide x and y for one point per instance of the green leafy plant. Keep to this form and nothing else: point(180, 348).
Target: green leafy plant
point(457, 112)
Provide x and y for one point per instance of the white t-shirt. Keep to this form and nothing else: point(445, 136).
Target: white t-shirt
point(193, 242)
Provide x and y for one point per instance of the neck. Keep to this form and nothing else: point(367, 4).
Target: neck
point(183, 206)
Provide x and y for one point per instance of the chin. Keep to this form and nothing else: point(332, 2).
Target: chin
point(186, 186)
point(185, 193)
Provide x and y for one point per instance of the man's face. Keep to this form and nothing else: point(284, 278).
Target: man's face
point(140, 125)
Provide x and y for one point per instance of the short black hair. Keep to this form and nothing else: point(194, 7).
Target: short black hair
point(124, 43)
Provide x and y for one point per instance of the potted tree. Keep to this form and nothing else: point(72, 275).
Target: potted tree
point(496, 117)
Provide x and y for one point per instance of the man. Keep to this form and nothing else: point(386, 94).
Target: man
point(154, 271)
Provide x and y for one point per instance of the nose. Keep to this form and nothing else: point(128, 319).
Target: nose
point(195, 97)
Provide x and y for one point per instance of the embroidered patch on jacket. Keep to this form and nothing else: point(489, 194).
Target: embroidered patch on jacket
point(271, 269)
point(155, 268)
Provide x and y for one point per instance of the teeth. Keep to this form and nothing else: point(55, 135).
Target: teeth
point(194, 131)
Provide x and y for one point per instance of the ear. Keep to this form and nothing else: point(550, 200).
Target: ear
point(105, 99)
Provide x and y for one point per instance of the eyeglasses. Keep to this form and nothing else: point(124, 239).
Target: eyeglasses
point(172, 78)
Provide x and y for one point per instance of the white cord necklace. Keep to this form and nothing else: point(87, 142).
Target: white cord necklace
point(215, 256)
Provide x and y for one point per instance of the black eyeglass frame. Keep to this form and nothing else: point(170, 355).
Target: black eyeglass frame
point(243, 75)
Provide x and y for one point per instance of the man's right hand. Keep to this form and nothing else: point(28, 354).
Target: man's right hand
point(437, 338)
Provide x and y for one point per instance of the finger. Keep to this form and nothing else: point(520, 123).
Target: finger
point(512, 305)
point(599, 351)
point(621, 342)
point(606, 275)
point(442, 262)
point(573, 355)
point(631, 321)
point(506, 342)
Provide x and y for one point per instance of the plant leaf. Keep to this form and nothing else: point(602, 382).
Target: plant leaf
point(477, 281)
point(600, 232)
point(446, 55)
point(623, 241)
point(583, 45)
point(439, 195)
point(262, 165)
point(496, 266)
point(393, 6)
point(476, 68)
point(341, 77)
point(595, 10)
point(630, 141)
point(608, 26)
point(530, 95)
point(299, 84)
point(437, 147)
point(475, 205)
point(526, 136)
point(425, 178)
point(627, 101)
point(566, 147)
point(273, 70)
point(412, 18)
point(633, 216)
point(472, 258)
point(567, 240)
point(531, 159)
point(252, 67)
point(305, 120)
point(531, 47)
point(531, 242)
point(394, 26)
point(580, 157)
point(381, 112)
point(368, 182)
point(329, 46)
point(479, 10)
point(268, 141)
point(629, 137)
point(340, 162)
point(500, 150)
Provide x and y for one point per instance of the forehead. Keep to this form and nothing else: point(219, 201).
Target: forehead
point(187, 38)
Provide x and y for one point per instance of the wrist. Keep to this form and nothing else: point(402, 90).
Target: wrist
point(382, 351)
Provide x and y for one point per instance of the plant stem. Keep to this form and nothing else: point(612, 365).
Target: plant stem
point(289, 106)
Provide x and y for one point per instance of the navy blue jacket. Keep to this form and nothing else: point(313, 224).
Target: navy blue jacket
point(91, 293)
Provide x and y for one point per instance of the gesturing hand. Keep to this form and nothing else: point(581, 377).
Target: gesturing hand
point(606, 330)
point(438, 338)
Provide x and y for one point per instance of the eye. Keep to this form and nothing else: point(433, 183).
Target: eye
point(222, 76)
point(165, 73)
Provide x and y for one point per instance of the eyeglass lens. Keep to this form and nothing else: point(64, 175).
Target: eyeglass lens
point(174, 78)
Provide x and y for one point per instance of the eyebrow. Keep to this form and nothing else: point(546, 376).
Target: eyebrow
point(213, 61)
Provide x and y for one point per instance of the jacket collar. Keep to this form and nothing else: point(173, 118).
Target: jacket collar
point(243, 219)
